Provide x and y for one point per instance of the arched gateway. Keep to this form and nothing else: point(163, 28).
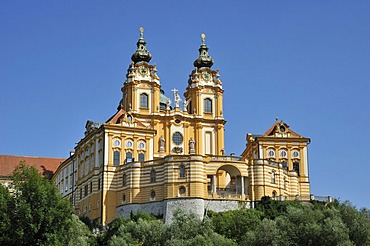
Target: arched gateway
point(227, 183)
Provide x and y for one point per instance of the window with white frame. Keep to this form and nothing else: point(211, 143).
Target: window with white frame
point(116, 158)
point(143, 100)
point(207, 105)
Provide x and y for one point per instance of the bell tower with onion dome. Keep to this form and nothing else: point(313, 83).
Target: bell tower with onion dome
point(141, 91)
point(204, 98)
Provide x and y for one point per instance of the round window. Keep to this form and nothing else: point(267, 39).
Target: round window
point(182, 190)
point(271, 153)
point(177, 121)
point(129, 144)
point(152, 194)
point(283, 153)
point(116, 143)
point(282, 128)
point(141, 145)
point(177, 138)
point(295, 154)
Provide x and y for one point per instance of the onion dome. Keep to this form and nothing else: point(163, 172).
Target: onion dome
point(141, 54)
point(162, 100)
point(204, 59)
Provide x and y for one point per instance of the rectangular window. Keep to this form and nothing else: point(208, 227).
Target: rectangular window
point(143, 100)
point(80, 193)
point(91, 187)
point(100, 162)
point(141, 157)
point(72, 181)
point(207, 105)
point(116, 158)
point(296, 167)
point(98, 184)
point(86, 190)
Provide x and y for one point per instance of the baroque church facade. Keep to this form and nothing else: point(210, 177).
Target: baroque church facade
point(155, 153)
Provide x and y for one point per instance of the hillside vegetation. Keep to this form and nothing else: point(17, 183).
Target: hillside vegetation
point(36, 215)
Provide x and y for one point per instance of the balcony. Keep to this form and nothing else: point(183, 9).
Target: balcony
point(226, 193)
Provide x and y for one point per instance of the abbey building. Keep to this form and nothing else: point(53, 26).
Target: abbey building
point(158, 152)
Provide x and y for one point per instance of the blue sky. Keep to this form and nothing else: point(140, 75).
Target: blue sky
point(307, 62)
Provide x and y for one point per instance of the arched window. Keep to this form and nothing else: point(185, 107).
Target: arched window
point(274, 194)
point(152, 176)
point(124, 179)
point(273, 177)
point(141, 157)
point(182, 171)
point(207, 105)
point(128, 157)
point(116, 158)
point(143, 100)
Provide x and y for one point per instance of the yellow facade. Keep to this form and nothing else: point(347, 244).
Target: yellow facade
point(158, 152)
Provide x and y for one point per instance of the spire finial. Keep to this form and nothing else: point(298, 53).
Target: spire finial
point(204, 59)
point(141, 29)
point(203, 36)
point(141, 54)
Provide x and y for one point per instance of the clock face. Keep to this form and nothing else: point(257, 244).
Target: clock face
point(143, 70)
point(206, 76)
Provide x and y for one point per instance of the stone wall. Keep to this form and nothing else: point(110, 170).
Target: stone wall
point(166, 208)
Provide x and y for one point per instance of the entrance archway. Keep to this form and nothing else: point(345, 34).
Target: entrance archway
point(227, 183)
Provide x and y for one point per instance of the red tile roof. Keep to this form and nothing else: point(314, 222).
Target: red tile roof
point(45, 165)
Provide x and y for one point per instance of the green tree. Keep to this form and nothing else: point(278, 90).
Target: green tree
point(235, 223)
point(37, 215)
point(4, 214)
point(357, 222)
point(188, 229)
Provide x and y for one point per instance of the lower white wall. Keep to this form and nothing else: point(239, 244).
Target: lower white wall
point(166, 208)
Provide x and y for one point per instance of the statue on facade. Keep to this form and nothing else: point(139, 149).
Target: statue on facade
point(191, 146)
point(162, 142)
point(168, 103)
point(185, 106)
point(176, 97)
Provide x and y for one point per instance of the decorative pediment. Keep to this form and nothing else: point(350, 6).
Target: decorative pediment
point(125, 119)
point(281, 129)
point(91, 126)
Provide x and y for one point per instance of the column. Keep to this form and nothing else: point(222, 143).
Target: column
point(214, 184)
point(242, 184)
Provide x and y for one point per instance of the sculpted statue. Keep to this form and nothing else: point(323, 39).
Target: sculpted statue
point(191, 145)
point(162, 142)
